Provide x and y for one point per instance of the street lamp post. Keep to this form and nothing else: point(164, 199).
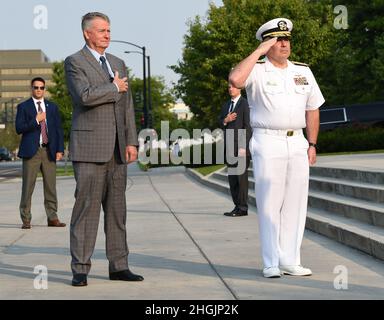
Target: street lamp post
point(149, 82)
point(145, 109)
point(149, 90)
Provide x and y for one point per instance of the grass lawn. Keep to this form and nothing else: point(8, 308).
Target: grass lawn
point(354, 152)
point(60, 171)
point(209, 169)
point(143, 167)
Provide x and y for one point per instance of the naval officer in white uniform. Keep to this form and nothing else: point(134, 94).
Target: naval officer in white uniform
point(283, 98)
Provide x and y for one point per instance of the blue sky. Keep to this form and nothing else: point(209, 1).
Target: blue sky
point(159, 25)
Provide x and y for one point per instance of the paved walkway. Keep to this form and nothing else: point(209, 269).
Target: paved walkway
point(369, 161)
point(179, 241)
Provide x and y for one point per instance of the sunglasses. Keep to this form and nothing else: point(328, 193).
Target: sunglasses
point(37, 88)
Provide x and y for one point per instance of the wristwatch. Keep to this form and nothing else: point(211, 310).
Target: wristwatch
point(311, 144)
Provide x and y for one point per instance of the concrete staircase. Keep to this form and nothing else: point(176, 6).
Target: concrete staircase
point(345, 205)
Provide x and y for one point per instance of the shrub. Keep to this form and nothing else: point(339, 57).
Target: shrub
point(356, 137)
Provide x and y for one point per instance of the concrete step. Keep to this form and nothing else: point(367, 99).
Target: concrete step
point(355, 223)
point(361, 201)
point(219, 182)
point(222, 176)
point(250, 170)
point(355, 234)
point(359, 190)
point(360, 176)
point(364, 211)
point(215, 183)
point(367, 176)
point(362, 191)
point(357, 175)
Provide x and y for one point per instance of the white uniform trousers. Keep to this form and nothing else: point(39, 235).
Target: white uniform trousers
point(281, 172)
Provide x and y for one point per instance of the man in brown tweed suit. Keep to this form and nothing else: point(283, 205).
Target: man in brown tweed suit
point(103, 140)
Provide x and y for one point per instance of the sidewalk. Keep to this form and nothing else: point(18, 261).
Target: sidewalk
point(368, 161)
point(179, 241)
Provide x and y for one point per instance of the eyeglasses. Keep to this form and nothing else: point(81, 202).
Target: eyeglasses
point(37, 88)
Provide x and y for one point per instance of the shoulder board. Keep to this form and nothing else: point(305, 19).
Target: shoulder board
point(260, 61)
point(300, 64)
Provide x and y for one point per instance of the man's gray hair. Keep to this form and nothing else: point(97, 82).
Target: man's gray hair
point(87, 19)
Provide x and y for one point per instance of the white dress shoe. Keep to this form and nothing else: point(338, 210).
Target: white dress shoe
point(295, 270)
point(271, 272)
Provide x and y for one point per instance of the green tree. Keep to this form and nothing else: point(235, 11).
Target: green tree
point(9, 138)
point(353, 72)
point(162, 100)
point(60, 96)
point(214, 45)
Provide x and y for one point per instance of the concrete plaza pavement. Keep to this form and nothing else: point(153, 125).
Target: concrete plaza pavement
point(179, 241)
point(363, 161)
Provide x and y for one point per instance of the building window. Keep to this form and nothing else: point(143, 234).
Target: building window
point(15, 94)
point(13, 83)
point(15, 71)
point(41, 71)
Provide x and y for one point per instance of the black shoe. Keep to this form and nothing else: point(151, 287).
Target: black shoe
point(229, 214)
point(237, 213)
point(26, 224)
point(79, 280)
point(125, 275)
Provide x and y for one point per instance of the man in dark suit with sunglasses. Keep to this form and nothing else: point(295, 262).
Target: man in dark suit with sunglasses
point(42, 144)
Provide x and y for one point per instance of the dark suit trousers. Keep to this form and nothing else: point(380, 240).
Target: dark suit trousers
point(239, 188)
point(31, 167)
point(99, 184)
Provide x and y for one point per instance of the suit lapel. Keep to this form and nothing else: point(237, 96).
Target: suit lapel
point(113, 65)
point(227, 106)
point(48, 111)
point(32, 107)
point(93, 62)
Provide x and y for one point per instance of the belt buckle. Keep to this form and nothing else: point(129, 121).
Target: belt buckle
point(289, 133)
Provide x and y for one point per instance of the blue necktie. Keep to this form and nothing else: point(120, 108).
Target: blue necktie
point(231, 106)
point(105, 67)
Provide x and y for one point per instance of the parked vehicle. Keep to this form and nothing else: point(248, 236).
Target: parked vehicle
point(5, 154)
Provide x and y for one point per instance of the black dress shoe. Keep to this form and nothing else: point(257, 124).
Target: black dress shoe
point(79, 280)
point(229, 214)
point(125, 275)
point(26, 224)
point(237, 213)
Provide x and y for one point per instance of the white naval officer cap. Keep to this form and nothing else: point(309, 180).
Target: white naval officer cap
point(279, 27)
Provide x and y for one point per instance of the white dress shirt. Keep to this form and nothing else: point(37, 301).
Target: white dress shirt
point(42, 105)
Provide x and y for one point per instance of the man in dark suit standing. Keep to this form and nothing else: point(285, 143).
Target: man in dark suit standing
point(42, 144)
point(103, 140)
point(234, 116)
